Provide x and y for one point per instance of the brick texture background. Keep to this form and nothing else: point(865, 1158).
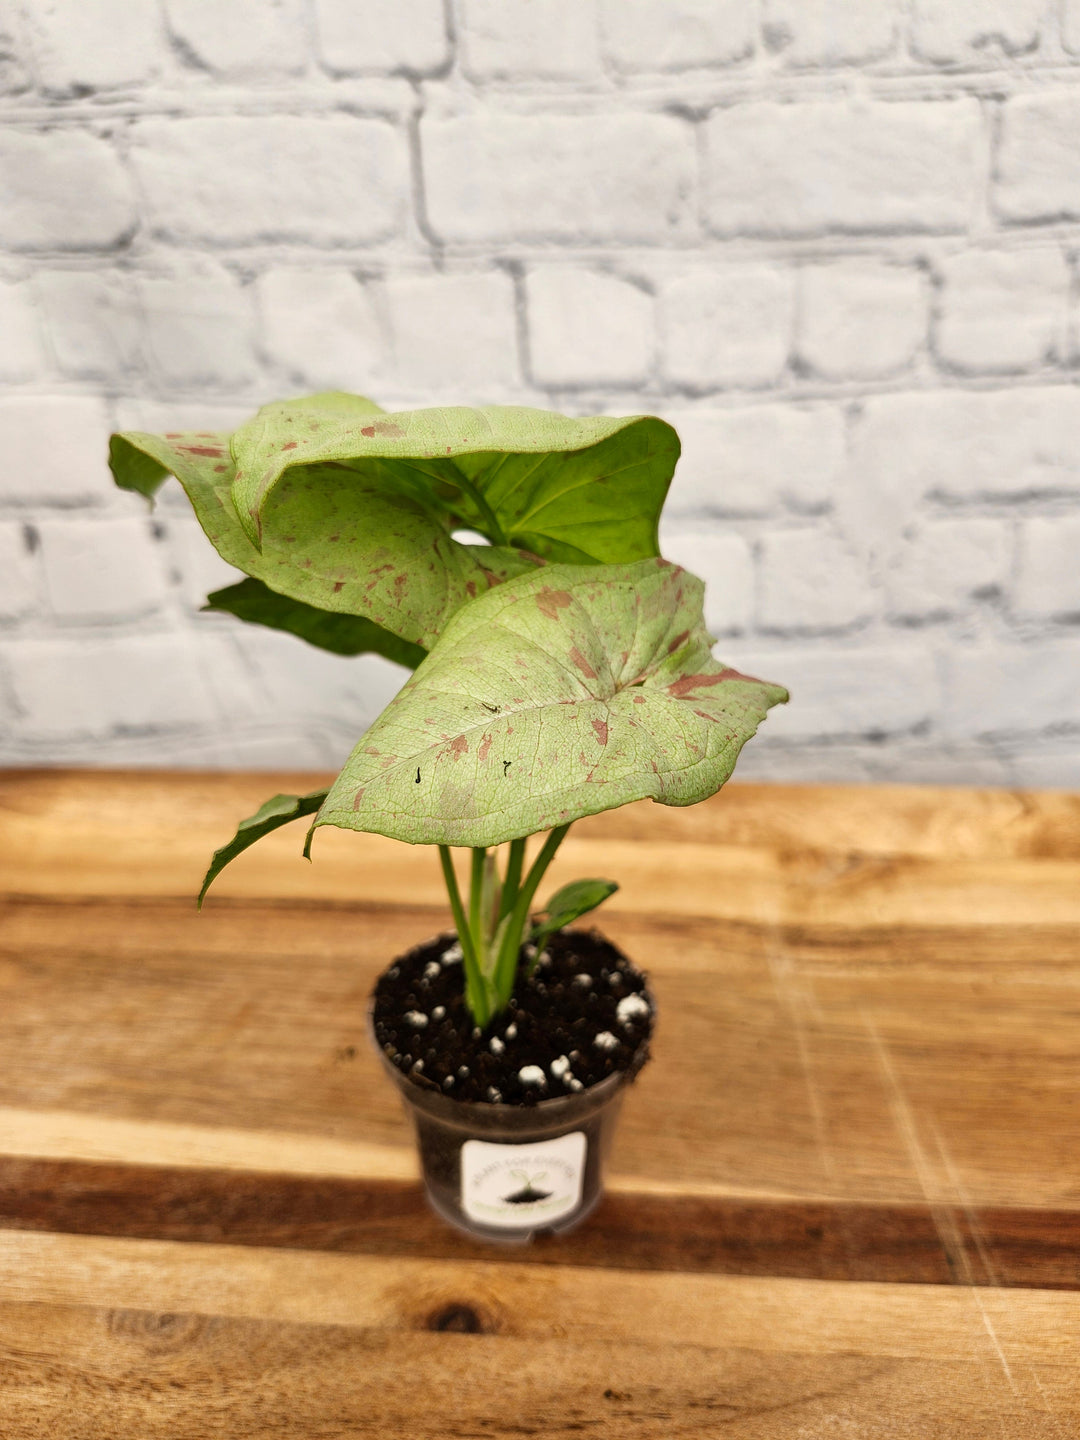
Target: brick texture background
point(834, 241)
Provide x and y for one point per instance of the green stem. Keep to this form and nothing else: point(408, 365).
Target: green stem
point(512, 882)
point(496, 534)
point(476, 907)
point(506, 963)
point(475, 990)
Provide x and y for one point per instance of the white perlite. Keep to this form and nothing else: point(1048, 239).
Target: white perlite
point(510, 1032)
point(630, 1008)
point(495, 1045)
point(453, 955)
point(438, 1012)
point(532, 1075)
point(582, 980)
point(560, 1067)
point(431, 969)
point(605, 1041)
point(416, 1018)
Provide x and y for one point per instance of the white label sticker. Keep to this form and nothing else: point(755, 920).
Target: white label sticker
point(518, 1187)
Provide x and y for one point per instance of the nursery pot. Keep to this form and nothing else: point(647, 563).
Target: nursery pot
point(509, 1172)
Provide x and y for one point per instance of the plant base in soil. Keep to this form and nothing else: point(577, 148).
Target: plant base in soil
point(585, 1013)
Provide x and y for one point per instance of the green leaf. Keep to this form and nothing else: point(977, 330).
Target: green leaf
point(556, 695)
point(333, 539)
point(329, 501)
point(569, 904)
point(254, 602)
point(278, 811)
point(578, 490)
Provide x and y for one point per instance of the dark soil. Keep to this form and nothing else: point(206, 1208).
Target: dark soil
point(553, 1022)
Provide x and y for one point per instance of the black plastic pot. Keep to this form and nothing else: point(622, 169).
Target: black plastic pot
point(508, 1172)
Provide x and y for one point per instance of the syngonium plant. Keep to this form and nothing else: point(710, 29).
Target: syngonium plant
point(561, 669)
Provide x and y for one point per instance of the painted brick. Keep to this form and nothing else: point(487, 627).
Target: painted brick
point(93, 322)
point(94, 684)
point(1003, 311)
point(1038, 177)
point(297, 681)
point(726, 564)
point(40, 172)
point(960, 32)
point(382, 35)
point(546, 39)
point(1048, 582)
point(54, 449)
point(861, 319)
point(101, 46)
point(621, 178)
point(959, 445)
point(753, 460)
point(1053, 766)
point(108, 570)
point(810, 580)
point(1002, 688)
point(587, 328)
point(945, 564)
point(234, 180)
point(845, 691)
point(320, 326)
point(199, 328)
point(20, 584)
point(677, 34)
point(831, 166)
point(453, 331)
point(830, 32)
point(256, 38)
point(727, 327)
point(22, 353)
point(197, 564)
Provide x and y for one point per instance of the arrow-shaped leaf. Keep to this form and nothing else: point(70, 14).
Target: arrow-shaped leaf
point(556, 695)
point(256, 603)
point(278, 811)
point(579, 490)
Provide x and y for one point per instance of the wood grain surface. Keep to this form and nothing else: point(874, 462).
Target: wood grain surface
point(845, 1196)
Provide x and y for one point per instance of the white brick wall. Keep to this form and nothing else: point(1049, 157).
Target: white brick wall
point(836, 242)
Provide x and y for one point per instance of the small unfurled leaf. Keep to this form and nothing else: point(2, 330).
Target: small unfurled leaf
point(557, 695)
point(278, 811)
point(569, 904)
point(256, 603)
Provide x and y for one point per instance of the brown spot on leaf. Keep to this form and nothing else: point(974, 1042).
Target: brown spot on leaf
point(686, 683)
point(459, 746)
point(485, 746)
point(218, 469)
point(357, 798)
point(638, 699)
point(290, 444)
point(678, 642)
point(600, 726)
point(549, 602)
point(470, 589)
point(338, 585)
point(582, 664)
point(368, 430)
point(214, 452)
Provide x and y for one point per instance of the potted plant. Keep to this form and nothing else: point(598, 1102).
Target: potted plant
point(561, 668)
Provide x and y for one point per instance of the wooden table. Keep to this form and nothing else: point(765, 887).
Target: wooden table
point(845, 1200)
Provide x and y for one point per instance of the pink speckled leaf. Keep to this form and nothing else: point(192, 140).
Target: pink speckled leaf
point(332, 539)
point(559, 694)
